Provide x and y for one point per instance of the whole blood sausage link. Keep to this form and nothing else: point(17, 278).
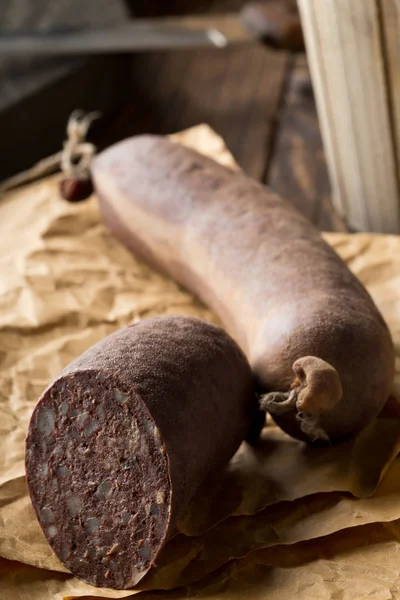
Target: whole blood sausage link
point(322, 354)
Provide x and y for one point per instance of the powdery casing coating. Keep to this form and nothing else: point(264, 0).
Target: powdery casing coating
point(280, 290)
point(119, 442)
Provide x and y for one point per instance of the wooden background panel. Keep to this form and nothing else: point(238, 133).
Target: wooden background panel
point(236, 91)
point(344, 44)
point(298, 169)
point(390, 11)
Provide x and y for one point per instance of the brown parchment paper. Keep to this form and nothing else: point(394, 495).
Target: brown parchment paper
point(356, 564)
point(65, 283)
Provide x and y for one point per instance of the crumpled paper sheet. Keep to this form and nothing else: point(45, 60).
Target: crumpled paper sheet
point(354, 564)
point(66, 283)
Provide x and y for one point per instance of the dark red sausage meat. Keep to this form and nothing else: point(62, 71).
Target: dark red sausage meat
point(118, 443)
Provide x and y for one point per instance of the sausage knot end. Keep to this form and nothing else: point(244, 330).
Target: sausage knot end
point(316, 389)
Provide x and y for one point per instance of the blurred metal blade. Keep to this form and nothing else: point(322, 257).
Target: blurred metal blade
point(137, 36)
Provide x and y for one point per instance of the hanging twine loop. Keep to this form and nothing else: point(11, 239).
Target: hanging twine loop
point(73, 160)
point(76, 157)
point(77, 153)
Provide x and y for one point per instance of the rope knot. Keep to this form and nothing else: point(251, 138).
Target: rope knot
point(77, 153)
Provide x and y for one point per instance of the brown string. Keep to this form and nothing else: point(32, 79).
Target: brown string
point(278, 403)
point(74, 159)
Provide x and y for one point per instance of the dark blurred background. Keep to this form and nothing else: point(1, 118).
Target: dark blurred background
point(259, 99)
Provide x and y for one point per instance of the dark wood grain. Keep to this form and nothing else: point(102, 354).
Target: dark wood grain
point(236, 91)
point(297, 169)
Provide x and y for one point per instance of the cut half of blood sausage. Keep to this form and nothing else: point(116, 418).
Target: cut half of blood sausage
point(120, 441)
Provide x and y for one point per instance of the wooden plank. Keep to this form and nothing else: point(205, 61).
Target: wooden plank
point(236, 91)
point(152, 94)
point(260, 105)
point(297, 168)
point(343, 40)
point(390, 10)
